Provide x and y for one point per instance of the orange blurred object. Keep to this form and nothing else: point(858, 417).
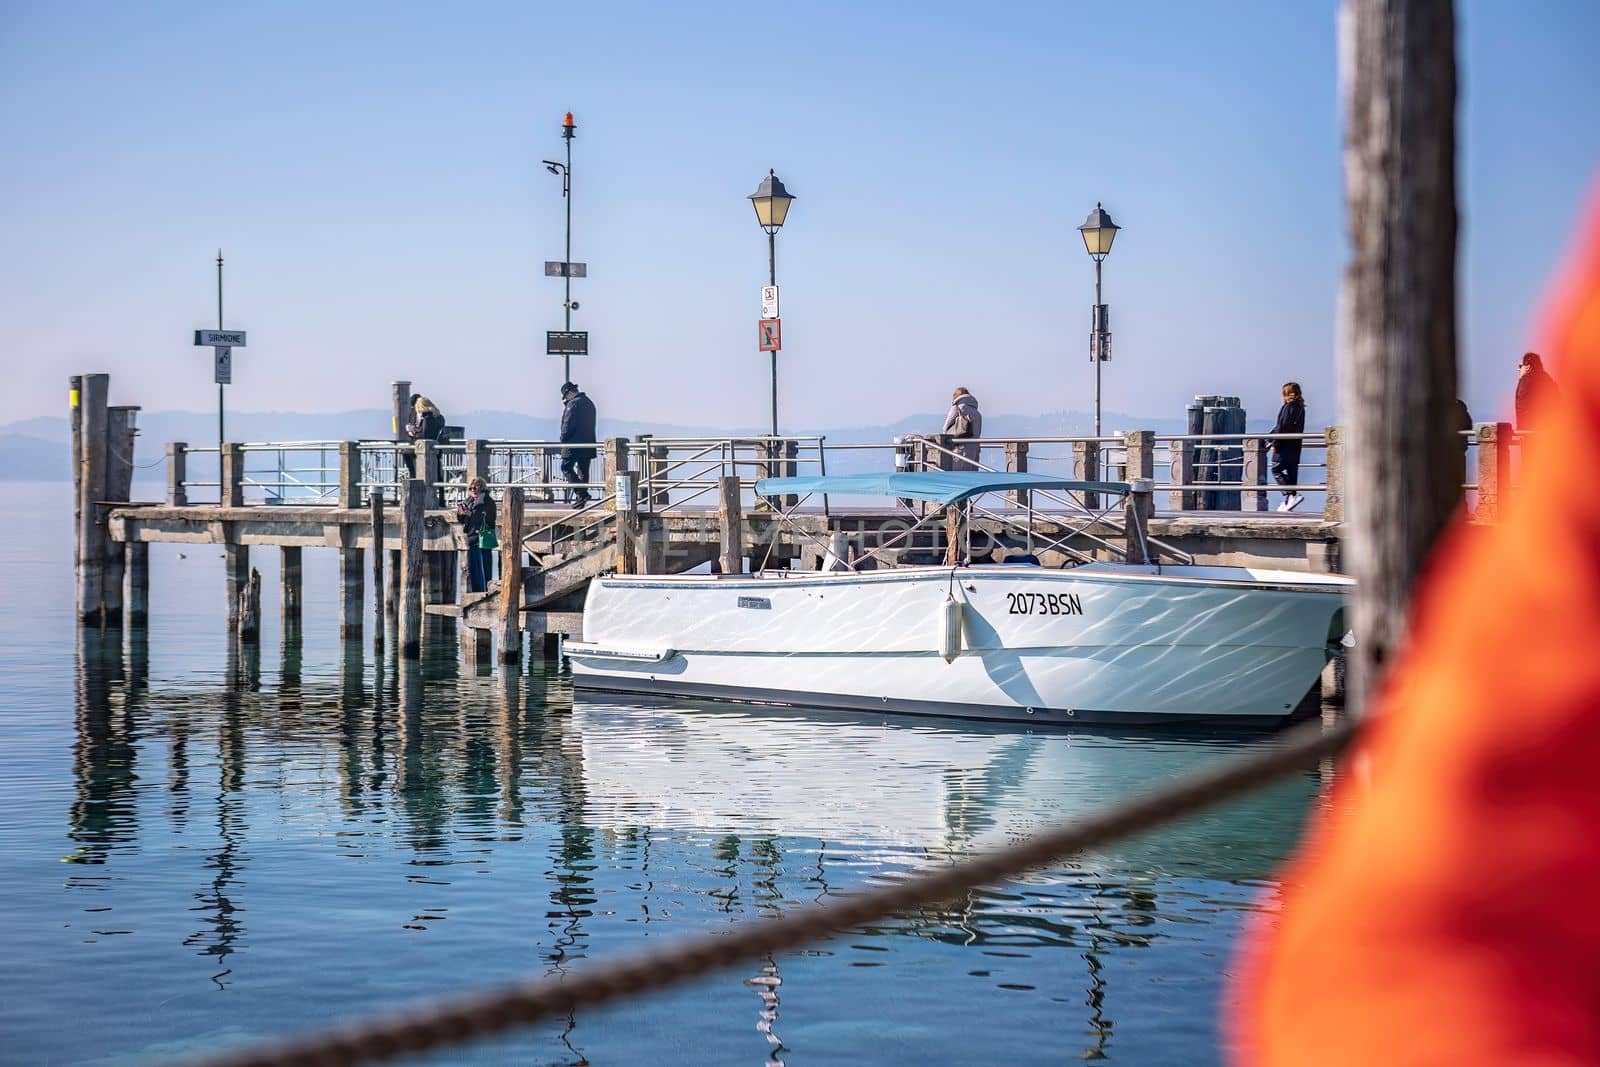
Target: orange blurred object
point(1446, 909)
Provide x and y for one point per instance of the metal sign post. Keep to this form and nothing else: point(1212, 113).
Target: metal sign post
point(222, 343)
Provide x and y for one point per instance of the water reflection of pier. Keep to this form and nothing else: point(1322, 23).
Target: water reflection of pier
point(688, 815)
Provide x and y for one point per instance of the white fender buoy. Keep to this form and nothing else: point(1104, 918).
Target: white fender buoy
point(950, 617)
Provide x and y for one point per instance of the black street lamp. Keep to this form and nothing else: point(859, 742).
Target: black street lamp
point(569, 130)
point(771, 201)
point(1098, 232)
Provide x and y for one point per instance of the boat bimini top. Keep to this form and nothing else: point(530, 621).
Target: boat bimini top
point(936, 487)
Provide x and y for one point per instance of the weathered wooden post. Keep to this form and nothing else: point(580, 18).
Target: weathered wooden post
point(1137, 510)
point(653, 537)
point(249, 626)
point(1257, 463)
point(730, 519)
point(136, 583)
point(1017, 463)
point(375, 520)
point(391, 588)
point(511, 519)
point(399, 408)
point(289, 585)
point(89, 422)
point(235, 572)
point(413, 519)
point(1494, 469)
point(177, 474)
point(954, 524)
point(1140, 446)
point(231, 494)
point(477, 459)
point(427, 457)
point(120, 436)
point(1398, 355)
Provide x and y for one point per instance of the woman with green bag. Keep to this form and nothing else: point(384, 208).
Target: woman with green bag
point(477, 514)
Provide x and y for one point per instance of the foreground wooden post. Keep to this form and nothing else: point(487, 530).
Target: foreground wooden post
point(136, 583)
point(1017, 463)
point(375, 513)
point(289, 585)
point(511, 519)
point(1398, 357)
point(730, 519)
point(177, 474)
point(1494, 469)
point(413, 518)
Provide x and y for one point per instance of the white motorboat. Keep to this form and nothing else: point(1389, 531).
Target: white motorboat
point(1096, 642)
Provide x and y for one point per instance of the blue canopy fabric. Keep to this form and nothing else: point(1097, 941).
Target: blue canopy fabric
point(939, 487)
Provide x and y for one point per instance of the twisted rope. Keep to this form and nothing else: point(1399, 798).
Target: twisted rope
point(455, 1020)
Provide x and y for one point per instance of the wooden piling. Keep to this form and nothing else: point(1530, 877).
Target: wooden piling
point(352, 598)
point(730, 518)
point(375, 518)
point(289, 586)
point(235, 576)
point(1138, 508)
point(511, 520)
point(412, 526)
point(90, 474)
point(1397, 364)
point(136, 583)
point(249, 626)
point(391, 591)
point(400, 408)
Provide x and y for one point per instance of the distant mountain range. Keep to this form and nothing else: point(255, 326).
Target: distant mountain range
point(40, 449)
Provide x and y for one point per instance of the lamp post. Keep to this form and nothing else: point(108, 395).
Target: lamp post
point(1098, 232)
point(569, 130)
point(771, 201)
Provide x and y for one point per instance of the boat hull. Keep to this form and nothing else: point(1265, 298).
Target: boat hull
point(1100, 643)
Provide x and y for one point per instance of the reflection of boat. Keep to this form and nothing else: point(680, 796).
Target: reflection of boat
point(874, 786)
point(1103, 641)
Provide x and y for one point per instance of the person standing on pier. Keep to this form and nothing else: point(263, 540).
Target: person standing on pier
point(577, 428)
point(477, 514)
point(426, 424)
point(1534, 388)
point(1286, 454)
point(964, 423)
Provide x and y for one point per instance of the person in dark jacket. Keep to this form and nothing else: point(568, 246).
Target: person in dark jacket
point(1286, 454)
point(477, 515)
point(1535, 388)
point(577, 427)
point(427, 421)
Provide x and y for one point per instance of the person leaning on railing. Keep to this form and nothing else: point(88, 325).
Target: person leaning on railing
point(477, 514)
point(1286, 454)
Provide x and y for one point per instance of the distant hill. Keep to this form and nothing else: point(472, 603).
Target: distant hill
point(39, 449)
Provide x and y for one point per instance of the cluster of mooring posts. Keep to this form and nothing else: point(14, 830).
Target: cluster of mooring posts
point(661, 506)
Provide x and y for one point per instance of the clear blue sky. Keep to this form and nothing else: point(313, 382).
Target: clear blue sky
point(372, 173)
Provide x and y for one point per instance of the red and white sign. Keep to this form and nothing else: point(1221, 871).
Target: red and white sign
point(769, 332)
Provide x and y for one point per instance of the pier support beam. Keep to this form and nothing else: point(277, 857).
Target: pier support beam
point(391, 591)
point(412, 520)
point(352, 591)
point(136, 583)
point(511, 520)
point(375, 509)
point(236, 575)
point(1138, 509)
point(289, 586)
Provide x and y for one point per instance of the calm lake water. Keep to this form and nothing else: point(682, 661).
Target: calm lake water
point(198, 848)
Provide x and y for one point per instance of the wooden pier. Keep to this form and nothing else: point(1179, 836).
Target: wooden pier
point(678, 505)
